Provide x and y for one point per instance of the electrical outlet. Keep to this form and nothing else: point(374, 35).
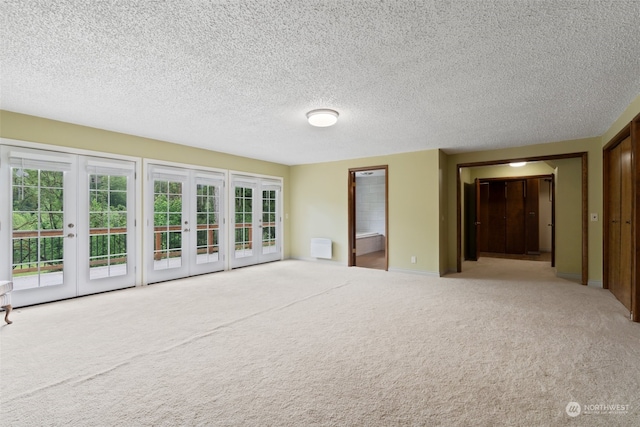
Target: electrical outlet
point(413, 260)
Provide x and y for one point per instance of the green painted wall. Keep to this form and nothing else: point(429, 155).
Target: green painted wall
point(36, 129)
point(422, 190)
point(320, 207)
point(593, 147)
point(569, 221)
point(443, 164)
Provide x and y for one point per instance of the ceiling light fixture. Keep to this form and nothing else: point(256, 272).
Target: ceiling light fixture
point(322, 117)
point(517, 164)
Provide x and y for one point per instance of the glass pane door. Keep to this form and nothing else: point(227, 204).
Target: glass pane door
point(168, 224)
point(186, 228)
point(244, 226)
point(270, 223)
point(208, 253)
point(108, 226)
point(108, 191)
point(72, 224)
point(43, 247)
point(257, 221)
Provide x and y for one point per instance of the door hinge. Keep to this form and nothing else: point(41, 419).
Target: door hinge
point(353, 251)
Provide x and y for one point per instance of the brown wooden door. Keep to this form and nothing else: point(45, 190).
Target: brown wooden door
point(515, 221)
point(471, 221)
point(626, 213)
point(614, 220)
point(626, 217)
point(620, 222)
point(532, 206)
point(553, 221)
point(482, 207)
point(497, 217)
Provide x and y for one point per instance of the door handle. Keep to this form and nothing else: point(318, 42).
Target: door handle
point(186, 230)
point(70, 235)
point(477, 223)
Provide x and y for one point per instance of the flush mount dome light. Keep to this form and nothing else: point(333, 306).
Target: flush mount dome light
point(322, 117)
point(517, 164)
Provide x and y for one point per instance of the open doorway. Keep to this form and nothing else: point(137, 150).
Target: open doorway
point(510, 215)
point(576, 162)
point(368, 217)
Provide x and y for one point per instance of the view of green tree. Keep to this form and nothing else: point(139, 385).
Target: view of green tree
point(167, 212)
point(38, 207)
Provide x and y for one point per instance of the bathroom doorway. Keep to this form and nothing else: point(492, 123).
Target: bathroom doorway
point(368, 217)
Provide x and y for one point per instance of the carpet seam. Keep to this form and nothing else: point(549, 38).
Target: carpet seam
point(172, 347)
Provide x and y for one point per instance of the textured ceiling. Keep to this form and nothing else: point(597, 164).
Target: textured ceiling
point(239, 76)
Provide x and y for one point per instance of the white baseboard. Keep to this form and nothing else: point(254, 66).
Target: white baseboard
point(420, 272)
point(320, 260)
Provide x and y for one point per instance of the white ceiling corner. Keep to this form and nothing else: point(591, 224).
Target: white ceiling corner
point(239, 76)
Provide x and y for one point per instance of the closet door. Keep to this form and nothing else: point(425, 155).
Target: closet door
point(621, 209)
point(515, 224)
point(613, 206)
point(532, 202)
point(626, 229)
point(496, 217)
point(482, 207)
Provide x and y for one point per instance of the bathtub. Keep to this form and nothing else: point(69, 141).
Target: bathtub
point(369, 241)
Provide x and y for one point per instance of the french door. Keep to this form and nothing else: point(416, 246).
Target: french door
point(72, 220)
point(185, 222)
point(257, 220)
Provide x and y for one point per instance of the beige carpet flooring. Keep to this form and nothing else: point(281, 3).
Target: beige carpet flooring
point(295, 343)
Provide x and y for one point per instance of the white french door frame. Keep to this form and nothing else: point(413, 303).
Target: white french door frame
point(109, 274)
point(72, 198)
point(190, 176)
point(257, 183)
point(139, 229)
